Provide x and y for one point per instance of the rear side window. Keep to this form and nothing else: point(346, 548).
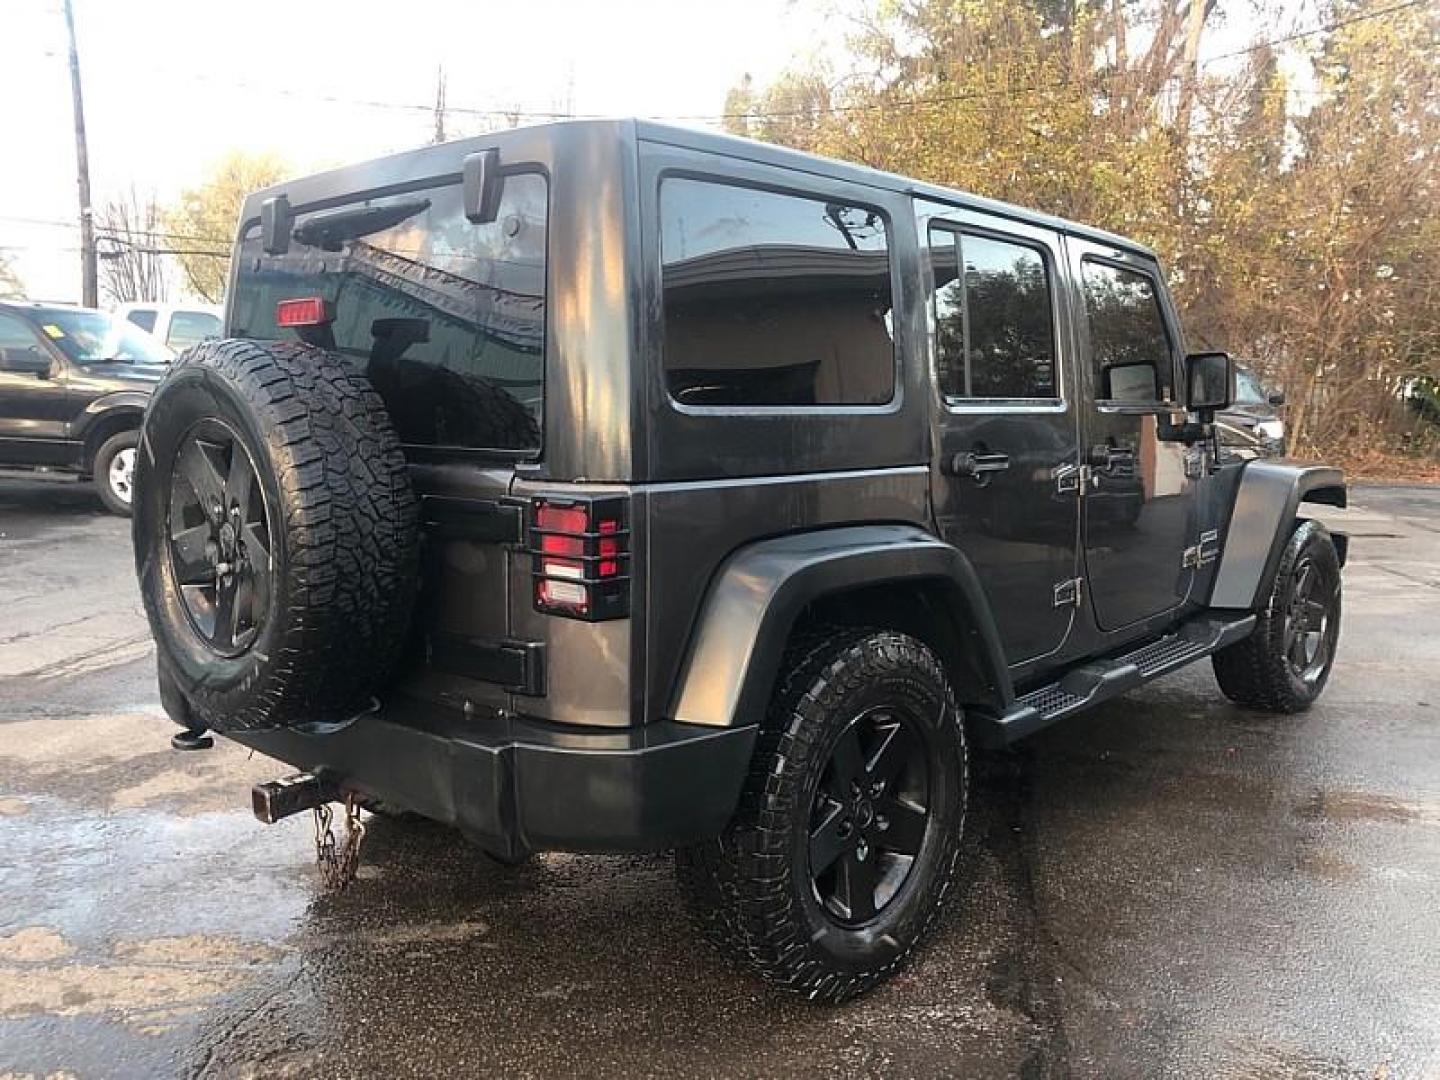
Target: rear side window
point(191, 327)
point(1129, 349)
point(142, 317)
point(995, 322)
point(773, 300)
point(445, 317)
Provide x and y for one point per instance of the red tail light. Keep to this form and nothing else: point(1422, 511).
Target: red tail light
point(303, 311)
point(581, 549)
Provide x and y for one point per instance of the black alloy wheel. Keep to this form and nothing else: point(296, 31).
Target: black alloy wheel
point(847, 835)
point(869, 816)
point(1283, 665)
point(219, 538)
point(1308, 622)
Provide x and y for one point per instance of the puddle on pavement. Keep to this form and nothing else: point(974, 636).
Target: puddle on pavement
point(1348, 806)
point(133, 926)
point(123, 761)
point(34, 944)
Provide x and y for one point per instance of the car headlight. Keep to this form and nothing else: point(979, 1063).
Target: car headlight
point(1271, 430)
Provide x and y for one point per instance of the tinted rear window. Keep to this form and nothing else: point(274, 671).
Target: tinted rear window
point(445, 317)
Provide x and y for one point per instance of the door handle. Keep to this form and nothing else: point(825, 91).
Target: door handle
point(978, 467)
point(1111, 458)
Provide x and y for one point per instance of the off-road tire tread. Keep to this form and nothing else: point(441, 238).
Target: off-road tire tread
point(1253, 672)
point(698, 868)
point(739, 884)
point(351, 520)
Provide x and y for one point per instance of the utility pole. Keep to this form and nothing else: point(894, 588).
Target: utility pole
point(89, 278)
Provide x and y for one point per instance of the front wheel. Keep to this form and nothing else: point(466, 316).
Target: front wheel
point(1285, 662)
point(115, 471)
point(845, 843)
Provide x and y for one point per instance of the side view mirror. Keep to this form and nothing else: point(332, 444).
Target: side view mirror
point(1209, 383)
point(25, 362)
point(1276, 398)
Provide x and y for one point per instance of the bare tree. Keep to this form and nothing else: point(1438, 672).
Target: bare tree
point(131, 232)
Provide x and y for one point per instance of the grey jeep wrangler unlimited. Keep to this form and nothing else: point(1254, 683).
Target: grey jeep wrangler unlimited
point(605, 486)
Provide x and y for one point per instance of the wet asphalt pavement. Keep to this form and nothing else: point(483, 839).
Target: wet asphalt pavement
point(1169, 886)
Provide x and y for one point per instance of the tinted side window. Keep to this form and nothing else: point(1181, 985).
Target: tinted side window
point(773, 300)
point(445, 316)
point(142, 317)
point(189, 327)
point(15, 333)
point(994, 324)
point(20, 350)
point(1129, 348)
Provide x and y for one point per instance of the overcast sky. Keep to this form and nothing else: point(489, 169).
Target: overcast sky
point(171, 85)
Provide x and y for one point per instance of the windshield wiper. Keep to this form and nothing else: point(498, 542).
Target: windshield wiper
point(329, 229)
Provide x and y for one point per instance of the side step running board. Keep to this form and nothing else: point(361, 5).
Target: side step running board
point(1098, 680)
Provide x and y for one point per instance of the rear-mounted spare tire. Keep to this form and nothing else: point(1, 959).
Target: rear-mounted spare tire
point(276, 535)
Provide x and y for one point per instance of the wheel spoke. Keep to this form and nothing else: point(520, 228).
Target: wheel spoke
point(857, 886)
point(192, 562)
point(240, 480)
point(906, 831)
point(200, 600)
point(226, 610)
point(826, 842)
point(1312, 615)
point(257, 555)
point(890, 760)
point(1302, 580)
point(257, 540)
point(247, 616)
point(1296, 650)
point(847, 763)
point(197, 465)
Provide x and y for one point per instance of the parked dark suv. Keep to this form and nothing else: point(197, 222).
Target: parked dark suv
point(605, 486)
point(73, 387)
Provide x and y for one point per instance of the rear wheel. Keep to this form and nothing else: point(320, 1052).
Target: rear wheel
point(114, 471)
point(844, 846)
point(1285, 662)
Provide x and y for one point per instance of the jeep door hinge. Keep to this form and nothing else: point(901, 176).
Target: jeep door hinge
point(1209, 547)
point(1067, 593)
point(1069, 479)
point(1203, 553)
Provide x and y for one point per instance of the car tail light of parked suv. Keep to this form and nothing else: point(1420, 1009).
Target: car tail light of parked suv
point(581, 549)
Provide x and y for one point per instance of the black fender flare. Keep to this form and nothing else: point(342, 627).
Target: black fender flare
point(759, 592)
point(1267, 502)
point(129, 403)
point(105, 416)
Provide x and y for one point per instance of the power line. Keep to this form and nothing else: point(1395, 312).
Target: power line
point(999, 92)
point(105, 231)
point(1338, 24)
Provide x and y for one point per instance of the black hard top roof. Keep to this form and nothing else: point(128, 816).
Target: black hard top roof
point(770, 154)
point(433, 160)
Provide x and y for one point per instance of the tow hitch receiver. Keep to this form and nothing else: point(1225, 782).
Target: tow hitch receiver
point(279, 799)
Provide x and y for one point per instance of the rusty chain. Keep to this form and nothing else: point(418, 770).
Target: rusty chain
point(338, 861)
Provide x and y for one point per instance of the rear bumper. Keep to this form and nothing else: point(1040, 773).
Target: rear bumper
point(517, 786)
